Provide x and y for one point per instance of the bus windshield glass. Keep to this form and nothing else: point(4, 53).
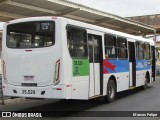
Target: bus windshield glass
point(35, 34)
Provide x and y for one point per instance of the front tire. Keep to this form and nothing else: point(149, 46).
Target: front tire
point(111, 91)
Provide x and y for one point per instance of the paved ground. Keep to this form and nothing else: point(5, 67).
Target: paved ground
point(135, 100)
point(9, 101)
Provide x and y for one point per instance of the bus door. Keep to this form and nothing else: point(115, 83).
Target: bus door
point(95, 62)
point(153, 62)
point(132, 64)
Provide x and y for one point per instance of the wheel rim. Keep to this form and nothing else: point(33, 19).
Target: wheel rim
point(111, 91)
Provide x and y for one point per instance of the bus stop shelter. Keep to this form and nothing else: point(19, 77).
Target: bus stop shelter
point(13, 9)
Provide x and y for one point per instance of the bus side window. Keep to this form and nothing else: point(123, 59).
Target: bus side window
point(139, 50)
point(77, 42)
point(122, 48)
point(110, 46)
point(147, 55)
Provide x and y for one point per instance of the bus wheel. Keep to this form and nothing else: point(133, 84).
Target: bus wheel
point(111, 91)
point(144, 87)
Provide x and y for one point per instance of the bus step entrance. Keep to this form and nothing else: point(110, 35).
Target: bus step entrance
point(132, 87)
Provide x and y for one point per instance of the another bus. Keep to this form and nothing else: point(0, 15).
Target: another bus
point(60, 58)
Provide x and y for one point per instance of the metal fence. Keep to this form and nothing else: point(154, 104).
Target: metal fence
point(158, 69)
point(1, 93)
point(0, 86)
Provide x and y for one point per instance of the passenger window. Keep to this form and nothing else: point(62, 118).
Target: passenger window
point(122, 48)
point(139, 50)
point(94, 43)
point(76, 41)
point(147, 55)
point(110, 46)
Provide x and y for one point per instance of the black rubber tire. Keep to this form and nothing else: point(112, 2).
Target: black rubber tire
point(144, 87)
point(111, 91)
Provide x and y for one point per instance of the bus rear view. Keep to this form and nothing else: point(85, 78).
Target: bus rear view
point(55, 57)
point(30, 59)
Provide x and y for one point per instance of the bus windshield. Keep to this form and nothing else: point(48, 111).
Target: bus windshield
point(35, 34)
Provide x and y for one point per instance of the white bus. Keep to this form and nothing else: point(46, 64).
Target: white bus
point(59, 58)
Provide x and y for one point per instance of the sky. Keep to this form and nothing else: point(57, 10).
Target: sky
point(124, 8)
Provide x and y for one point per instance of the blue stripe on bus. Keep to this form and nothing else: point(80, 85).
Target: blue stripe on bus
point(123, 65)
point(143, 65)
point(120, 66)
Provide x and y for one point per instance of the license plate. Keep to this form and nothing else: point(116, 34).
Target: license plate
point(28, 91)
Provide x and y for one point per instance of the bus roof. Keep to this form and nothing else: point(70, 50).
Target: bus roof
point(85, 25)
